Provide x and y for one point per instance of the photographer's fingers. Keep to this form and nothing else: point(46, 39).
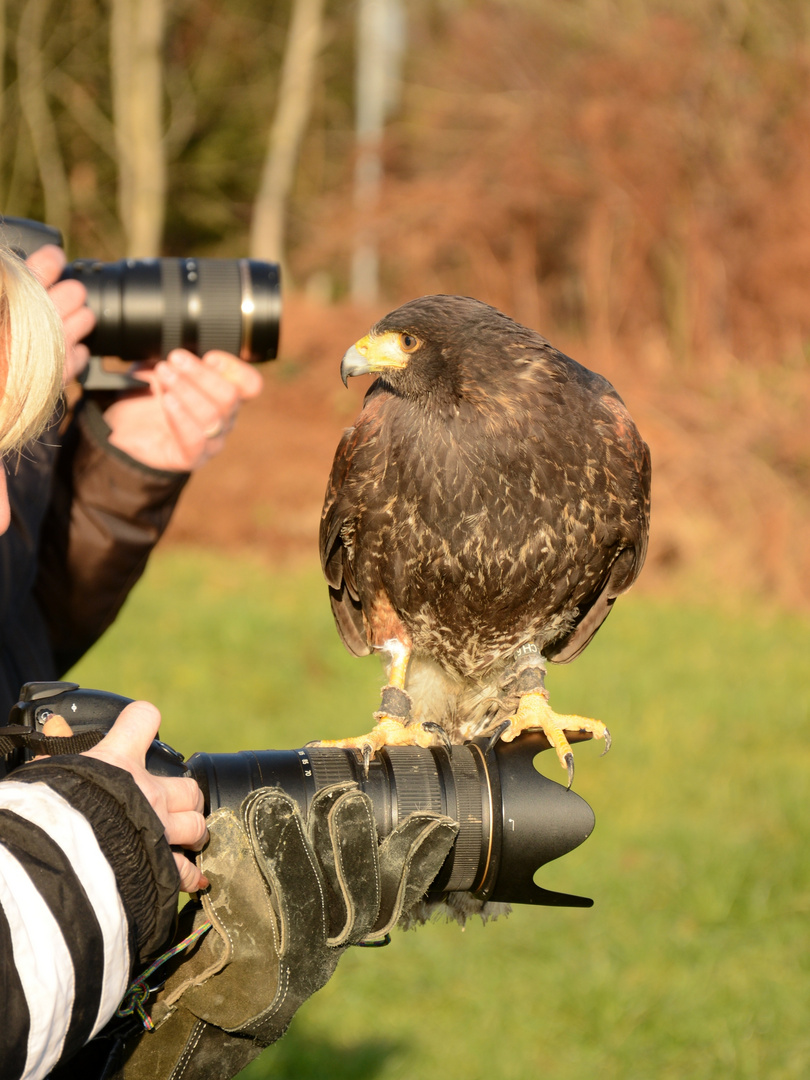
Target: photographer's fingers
point(213, 387)
point(78, 320)
point(195, 443)
point(191, 877)
point(207, 398)
point(47, 262)
point(182, 793)
point(70, 299)
point(201, 399)
point(127, 741)
point(220, 376)
point(244, 377)
point(187, 829)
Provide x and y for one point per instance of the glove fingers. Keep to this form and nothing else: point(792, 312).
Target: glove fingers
point(273, 823)
point(343, 833)
point(299, 893)
point(410, 858)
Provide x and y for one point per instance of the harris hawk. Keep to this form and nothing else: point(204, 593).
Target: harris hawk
point(487, 507)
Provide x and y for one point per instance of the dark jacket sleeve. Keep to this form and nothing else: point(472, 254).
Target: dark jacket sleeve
point(105, 515)
point(88, 889)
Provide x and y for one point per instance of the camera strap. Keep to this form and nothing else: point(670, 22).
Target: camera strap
point(19, 737)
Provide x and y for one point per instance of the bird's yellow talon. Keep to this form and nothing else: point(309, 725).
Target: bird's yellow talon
point(535, 713)
point(389, 731)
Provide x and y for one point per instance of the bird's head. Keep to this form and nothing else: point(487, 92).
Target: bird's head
point(437, 348)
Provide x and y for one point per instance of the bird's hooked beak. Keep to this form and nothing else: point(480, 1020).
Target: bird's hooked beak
point(373, 354)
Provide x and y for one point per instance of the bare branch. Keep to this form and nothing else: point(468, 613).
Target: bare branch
point(289, 126)
point(38, 117)
point(81, 106)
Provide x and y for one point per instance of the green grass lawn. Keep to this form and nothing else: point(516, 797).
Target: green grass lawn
point(694, 962)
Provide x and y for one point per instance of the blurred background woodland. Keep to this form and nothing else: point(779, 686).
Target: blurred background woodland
point(630, 177)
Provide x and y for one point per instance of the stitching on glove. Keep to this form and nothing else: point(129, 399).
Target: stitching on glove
point(316, 871)
point(273, 1008)
point(348, 899)
point(189, 1049)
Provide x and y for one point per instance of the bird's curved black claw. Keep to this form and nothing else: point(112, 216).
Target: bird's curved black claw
point(437, 729)
point(608, 742)
point(569, 763)
point(368, 750)
point(496, 734)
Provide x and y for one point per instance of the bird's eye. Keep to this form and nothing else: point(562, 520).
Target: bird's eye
point(409, 342)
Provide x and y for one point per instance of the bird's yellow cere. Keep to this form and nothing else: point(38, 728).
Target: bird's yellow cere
point(385, 351)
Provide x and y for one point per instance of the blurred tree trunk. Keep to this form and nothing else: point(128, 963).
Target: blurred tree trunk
point(287, 131)
point(380, 46)
point(136, 38)
point(31, 72)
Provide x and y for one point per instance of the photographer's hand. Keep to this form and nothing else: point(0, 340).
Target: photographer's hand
point(70, 300)
point(177, 801)
point(190, 405)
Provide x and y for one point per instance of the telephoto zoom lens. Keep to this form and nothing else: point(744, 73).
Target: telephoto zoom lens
point(144, 308)
point(512, 819)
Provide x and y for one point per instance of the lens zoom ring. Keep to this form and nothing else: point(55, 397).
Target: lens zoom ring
point(220, 290)
point(470, 839)
point(172, 288)
point(416, 779)
point(329, 766)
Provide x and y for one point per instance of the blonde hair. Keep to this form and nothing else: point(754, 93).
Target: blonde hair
point(32, 354)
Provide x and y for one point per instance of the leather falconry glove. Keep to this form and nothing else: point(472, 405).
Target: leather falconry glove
point(287, 897)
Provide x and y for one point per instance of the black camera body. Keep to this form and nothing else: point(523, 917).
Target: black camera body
point(512, 819)
point(144, 308)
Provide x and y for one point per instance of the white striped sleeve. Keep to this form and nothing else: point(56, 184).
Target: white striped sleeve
point(43, 939)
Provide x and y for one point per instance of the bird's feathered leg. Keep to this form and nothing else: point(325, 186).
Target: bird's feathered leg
point(525, 677)
point(394, 726)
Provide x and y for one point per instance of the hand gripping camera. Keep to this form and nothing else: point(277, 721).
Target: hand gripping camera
point(512, 819)
point(144, 308)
